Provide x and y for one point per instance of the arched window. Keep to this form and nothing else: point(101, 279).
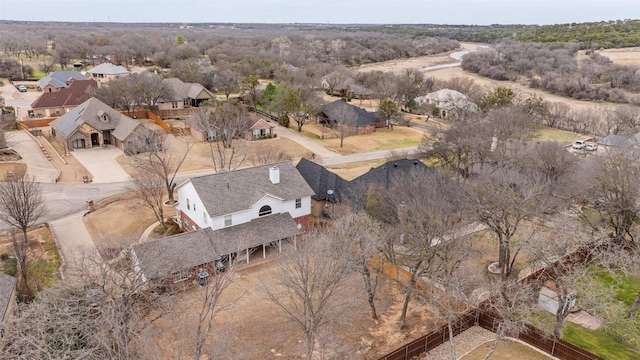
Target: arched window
point(265, 210)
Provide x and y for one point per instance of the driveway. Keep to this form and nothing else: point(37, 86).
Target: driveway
point(38, 166)
point(102, 164)
point(317, 149)
point(20, 101)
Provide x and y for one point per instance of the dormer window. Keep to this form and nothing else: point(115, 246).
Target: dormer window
point(103, 116)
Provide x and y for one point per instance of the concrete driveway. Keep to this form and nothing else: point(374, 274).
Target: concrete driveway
point(102, 164)
point(38, 165)
point(20, 101)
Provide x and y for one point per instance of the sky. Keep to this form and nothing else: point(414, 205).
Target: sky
point(468, 12)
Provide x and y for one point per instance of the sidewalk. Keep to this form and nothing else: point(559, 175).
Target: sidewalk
point(74, 242)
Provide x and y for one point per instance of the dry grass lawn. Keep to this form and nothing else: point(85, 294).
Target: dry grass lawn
point(119, 217)
point(11, 167)
point(381, 139)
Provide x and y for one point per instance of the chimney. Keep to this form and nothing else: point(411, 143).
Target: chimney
point(274, 174)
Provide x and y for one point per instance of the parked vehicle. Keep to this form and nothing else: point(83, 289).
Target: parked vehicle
point(580, 144)
point(21, 88)
point(591, 147)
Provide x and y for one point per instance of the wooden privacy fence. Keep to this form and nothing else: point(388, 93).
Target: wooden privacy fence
point(418, 348)
point(540, 340)
point(35, 123)
point(264, 113)
point(158, 121)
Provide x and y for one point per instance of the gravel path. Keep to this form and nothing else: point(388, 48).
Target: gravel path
point(464, 343)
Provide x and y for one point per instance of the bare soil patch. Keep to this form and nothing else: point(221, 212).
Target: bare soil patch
point(625, 56)
point(351, 171)
point(13, 167)
point(253, 328)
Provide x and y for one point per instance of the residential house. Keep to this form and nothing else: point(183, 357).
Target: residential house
point(354, 120)
point(226, 215)
point(329, 188)
point(106, 72)
point(185, 95)
point(60, 102)
point(94, 123)
point(237, 197)
point(450, 103)
point(260, 129)
point(349, 89)
point(7, 298)
point(59, 80)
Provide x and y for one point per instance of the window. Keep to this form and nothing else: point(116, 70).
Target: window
point(185, 102)
point(227, 220)
point(298, 203)
point(188, 205)
point(174, 105)
point(265, 210)
point(194, 206)
point(204, 218)
point(185, 224)
point(180, 275)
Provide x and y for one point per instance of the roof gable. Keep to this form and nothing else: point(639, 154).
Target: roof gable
point(108, 69)
point(60, 78)
point(92, 112)
point(73, 95)
point(233, 191)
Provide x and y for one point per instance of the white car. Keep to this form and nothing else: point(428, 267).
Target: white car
point(580, 144)
point(21, 88)
point(591, 147)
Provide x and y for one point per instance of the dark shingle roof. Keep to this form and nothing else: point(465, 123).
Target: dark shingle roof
point(322, 180)
point(339, 111)
point(165, 256)
point(354, 192)
point(7, 287)
point(229, 192)
point(75, 94)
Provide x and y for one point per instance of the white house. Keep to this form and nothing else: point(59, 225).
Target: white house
point(237, 197)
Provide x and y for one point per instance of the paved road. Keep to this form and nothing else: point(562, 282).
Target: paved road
point(37, 164)
point(102, 164)
point(374, 155)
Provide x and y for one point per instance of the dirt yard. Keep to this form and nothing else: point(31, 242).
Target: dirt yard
point(253, 328)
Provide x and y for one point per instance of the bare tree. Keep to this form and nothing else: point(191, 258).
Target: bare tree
point(24, 257)
point(21, 201)
point(152, 156)
point(502, 200)
point(223, 124)
point(362, 236)
point(149, 188)
point(614, 177)
point(227, 81)
point(269, 154)
point(512, 302)
point(211, 305)
point(311, 284)
point(427, 206)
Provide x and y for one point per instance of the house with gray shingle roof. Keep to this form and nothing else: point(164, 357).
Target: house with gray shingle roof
point(7, 297)
point(94, 124)
point(450, 103)
point(106, 72)
point(227, 215)
point(185, 95)
point(58, 80)
point(355, 120)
